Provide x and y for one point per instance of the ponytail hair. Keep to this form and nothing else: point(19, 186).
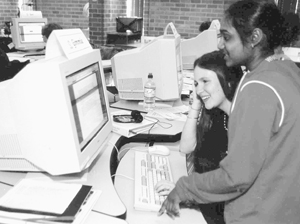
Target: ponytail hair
point(291, 26)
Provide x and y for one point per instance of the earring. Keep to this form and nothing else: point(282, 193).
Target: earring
point(252, 45)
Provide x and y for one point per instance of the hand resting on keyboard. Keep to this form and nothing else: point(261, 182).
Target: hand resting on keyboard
point(149, 170)
point(164, 187)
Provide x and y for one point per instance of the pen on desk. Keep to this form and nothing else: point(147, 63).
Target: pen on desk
point(64, 219)
point(33, 55)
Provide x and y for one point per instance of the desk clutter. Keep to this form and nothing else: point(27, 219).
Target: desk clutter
point(36, 201)
point(172, 113)
point(127, 124)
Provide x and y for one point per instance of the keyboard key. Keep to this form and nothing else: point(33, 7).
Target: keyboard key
point(149, 169)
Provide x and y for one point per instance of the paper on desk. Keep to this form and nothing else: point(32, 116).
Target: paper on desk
point(188, 73)
point(14, 218)
point(18, 54)
point(67, 178)
point(22, 218)
point(41, 196)
point(176, 110)
point(172, 113)
point(20, 59)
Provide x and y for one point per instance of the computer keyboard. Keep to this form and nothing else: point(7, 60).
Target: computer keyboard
point(149, 169)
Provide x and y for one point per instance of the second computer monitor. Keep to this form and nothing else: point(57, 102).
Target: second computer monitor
point(195, 47)
point(27, 33)
point(161, 57)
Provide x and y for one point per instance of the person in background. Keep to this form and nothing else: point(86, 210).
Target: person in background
point(86, 10)
point(48, 28)
point(292, 22)
point(8, 69)
point(259, 179)
point(214, 87)
point(204, 26)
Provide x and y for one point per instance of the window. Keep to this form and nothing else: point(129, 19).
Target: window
point(135, 8)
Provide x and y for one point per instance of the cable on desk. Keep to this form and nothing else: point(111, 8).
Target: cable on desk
point(120, 216)
point(125, 150)
point(133, 132)
point(130, 178)
point(5, 183)
point(170, 125)
point(152, 125)
point(114, 147)
point(119, 151)
point(158, 122)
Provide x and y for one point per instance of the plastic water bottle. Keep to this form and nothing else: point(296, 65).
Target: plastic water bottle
point(149, 93)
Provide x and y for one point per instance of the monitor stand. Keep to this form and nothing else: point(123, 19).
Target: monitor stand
point(138, 105)
point(31, 52)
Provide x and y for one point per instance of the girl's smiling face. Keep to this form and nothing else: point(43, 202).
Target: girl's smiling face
point(209, 89)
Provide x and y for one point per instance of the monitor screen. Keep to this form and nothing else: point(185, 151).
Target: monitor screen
point(57, 115)
point(27, 33)
point(31, 32)
point(88, 102)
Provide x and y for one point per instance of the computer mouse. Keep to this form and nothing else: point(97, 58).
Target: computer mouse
point(159, 150)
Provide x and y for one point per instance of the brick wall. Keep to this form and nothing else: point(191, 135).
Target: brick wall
point(103, 15)
point(67, 13)
point(186, 15)
point(8, 9)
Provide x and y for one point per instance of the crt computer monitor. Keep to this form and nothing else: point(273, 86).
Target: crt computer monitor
point(27, 33)
point(161, 57)
point(56, 117)
point(195, 47)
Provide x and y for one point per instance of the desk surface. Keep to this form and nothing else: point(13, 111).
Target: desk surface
point(111, 202)
point(99, 176)
point(125, 188)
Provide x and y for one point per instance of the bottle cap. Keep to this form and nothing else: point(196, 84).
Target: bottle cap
point(150, 76)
